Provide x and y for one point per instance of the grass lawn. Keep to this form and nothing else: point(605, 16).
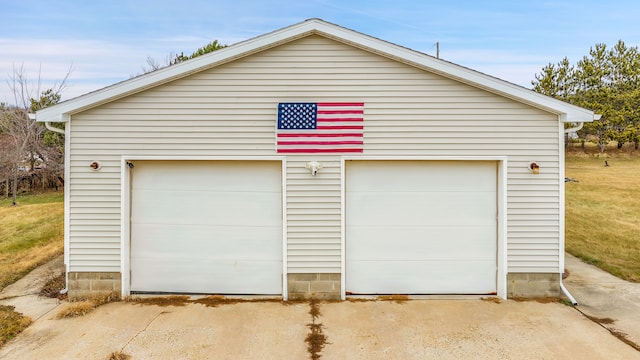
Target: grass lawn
point(603, 212)
point(31, 234)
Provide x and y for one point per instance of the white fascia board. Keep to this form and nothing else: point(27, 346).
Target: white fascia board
point(61, 112)
point(566, 112)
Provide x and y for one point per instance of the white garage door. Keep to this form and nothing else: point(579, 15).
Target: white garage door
point(421, 227)
point(206, 227)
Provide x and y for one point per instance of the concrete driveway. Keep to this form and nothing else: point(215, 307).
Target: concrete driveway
point(417, 329)
point(606, 299)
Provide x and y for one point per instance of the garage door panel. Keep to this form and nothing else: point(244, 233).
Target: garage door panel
point(206, 227)
point(393, 243)
point(421, 227)
point(429, 208)
point(407, 277)
point(252, 243)
point(440, 175)
point(160, 276)
point(199, 175)
point(208, 207)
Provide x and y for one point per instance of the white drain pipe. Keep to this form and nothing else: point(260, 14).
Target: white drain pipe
point(59, 131)
point(48, 126)
point(566, 293)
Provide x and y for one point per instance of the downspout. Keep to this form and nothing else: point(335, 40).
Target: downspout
point(59, 131)
point(54, 129)
point(566, 293)
point(66, 273)
point(567, 131)
point(562, 287)
point(574, 129)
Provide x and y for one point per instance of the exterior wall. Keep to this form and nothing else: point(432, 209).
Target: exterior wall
point(231, 110)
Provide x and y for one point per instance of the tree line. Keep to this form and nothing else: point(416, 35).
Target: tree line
point(607, 81)
point(31, 156)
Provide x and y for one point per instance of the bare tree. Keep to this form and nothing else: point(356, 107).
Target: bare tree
point(23, 136)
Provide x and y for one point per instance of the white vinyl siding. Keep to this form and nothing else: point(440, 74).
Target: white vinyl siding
point(313, 215)
point(231, 110)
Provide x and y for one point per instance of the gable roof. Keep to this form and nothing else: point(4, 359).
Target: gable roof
point(565, 111)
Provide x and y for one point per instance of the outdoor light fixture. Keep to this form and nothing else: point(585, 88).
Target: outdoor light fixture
point(534, 168)
point(314, 166)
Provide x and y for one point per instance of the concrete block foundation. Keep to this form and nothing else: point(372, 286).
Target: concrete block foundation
point(319, 286)
point(313, 286)
point(533, 285)
point(84, 285)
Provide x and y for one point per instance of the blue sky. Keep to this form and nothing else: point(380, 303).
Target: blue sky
point(109, 41)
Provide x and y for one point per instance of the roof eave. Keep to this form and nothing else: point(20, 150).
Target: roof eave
point(565, 111)
point(60, 112)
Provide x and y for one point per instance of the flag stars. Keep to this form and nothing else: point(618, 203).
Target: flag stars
point(297, 116)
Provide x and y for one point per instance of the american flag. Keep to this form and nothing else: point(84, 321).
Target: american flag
point(320, 127)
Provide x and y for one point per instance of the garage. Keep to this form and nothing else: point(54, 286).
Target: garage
point(442, 180)
point(421, 227)
point(206, 227)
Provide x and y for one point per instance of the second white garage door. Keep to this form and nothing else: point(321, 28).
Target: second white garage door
point(421, 227)
point(206, 227)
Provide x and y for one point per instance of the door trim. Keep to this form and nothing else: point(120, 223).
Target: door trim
point(125, 208)
point(501, 201)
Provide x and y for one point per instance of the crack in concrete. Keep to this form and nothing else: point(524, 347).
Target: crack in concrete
point(9, 297)
point(141, 331)
point(45, 314)
point(617, 334)
point(316, 339)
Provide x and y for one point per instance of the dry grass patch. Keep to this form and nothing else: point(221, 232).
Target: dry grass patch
point(619, 334)
point(493, 299)
point(76, 309)
point(12, 323)
point(217, 300)
point(208, 301)
point(358, 300)
point(85, 306)
point(31, 234)
point(602, 221)
point(398, 299)
point(52, 287)
point(174, 300)
point(118, 355)
point(315, 339)
point(604, 321)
